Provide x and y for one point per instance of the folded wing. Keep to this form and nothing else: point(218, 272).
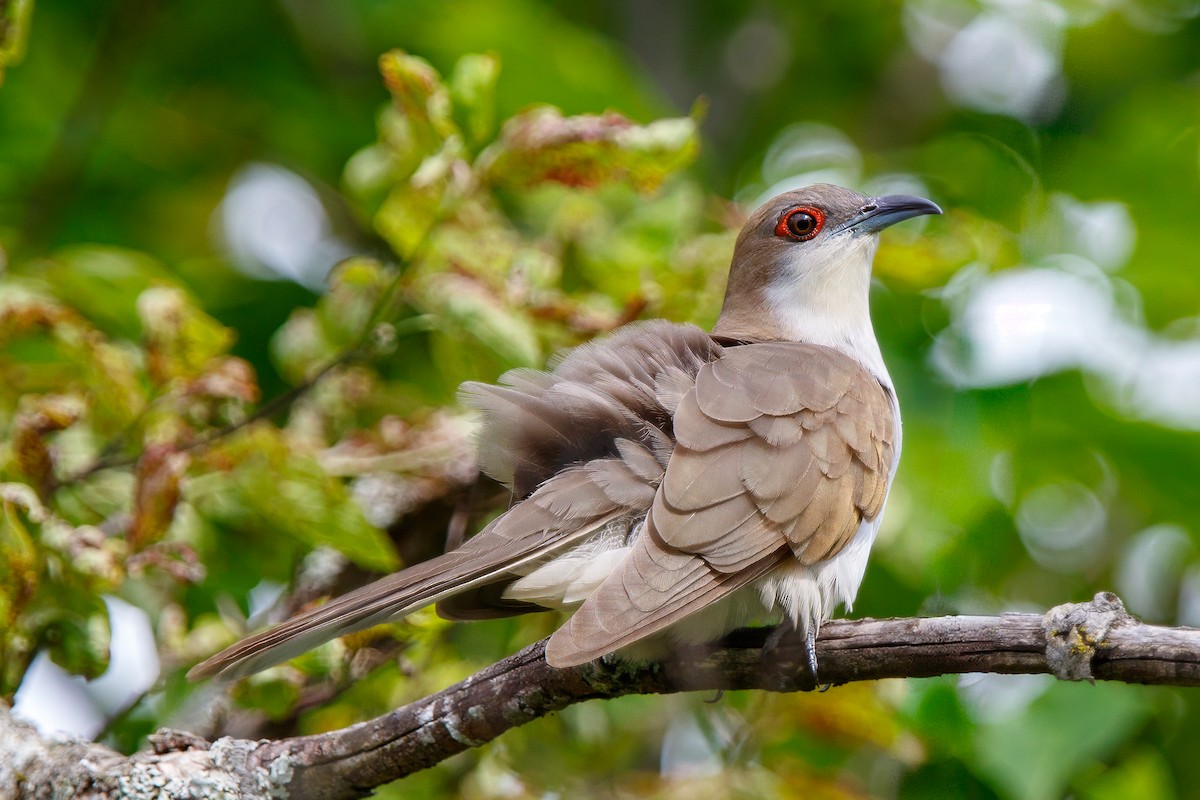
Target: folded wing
point(782, 450)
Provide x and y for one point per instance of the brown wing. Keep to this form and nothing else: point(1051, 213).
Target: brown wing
point(782, 449)
point(605, 408)
point(581, 446)
point(536, 424)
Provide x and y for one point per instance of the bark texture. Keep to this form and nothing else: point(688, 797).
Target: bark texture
point(1085, 641)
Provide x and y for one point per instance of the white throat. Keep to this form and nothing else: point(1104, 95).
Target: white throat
point(830, 306)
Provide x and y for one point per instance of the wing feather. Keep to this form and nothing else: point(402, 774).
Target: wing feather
point(636, 602)
point(783, 450)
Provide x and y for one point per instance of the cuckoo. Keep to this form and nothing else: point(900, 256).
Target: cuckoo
point(672, 484)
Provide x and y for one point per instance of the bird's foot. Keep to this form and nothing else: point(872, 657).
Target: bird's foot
point(810, 653)
point(782, 651)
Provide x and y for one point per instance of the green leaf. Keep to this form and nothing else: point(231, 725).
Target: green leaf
point(270, 694)
point(346, 310)
point(413, 207)
point(1146, 775)
point(38, 417)
point(1034, 755)
point(299, 347)
point(14, 27)
point(46, 347)
point(104, 284)
point(420, 97)
point(407, 216)
point(76, 633)
point(180, 339)
point(465, 308)
point(948, 778)
point(372, 171)
point(473, 90)
point(266, 485)
point(19, 561)
point(939, 717)
point(51, 582)
point(542, 145)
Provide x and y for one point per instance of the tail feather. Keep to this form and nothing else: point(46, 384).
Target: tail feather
point(388, 598)
point(487, 558)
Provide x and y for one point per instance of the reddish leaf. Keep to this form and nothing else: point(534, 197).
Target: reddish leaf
point(42, 416)
point(541, 145)
point(157, 494)
point(227, 378)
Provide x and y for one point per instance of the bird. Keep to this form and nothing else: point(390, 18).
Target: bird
point(672, 484)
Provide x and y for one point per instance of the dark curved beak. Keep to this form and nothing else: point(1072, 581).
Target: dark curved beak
point(880, 212)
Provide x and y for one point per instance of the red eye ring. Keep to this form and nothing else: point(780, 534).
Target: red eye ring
point(801, 223)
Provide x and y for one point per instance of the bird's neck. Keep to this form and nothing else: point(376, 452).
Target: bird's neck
point(829, 307)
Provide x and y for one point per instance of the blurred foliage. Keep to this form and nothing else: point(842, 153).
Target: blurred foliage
point(14, 21)
point(201, 408)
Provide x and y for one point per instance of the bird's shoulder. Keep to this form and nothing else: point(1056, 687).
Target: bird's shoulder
point(777, 378)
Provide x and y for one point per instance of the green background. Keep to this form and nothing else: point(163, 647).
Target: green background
point(1062, 137)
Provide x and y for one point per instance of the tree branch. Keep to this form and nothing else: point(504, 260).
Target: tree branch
point(1096, 640)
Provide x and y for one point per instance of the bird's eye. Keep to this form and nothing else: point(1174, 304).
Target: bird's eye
point(801, 223)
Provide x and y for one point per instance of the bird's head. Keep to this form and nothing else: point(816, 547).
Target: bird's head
point(802, 264)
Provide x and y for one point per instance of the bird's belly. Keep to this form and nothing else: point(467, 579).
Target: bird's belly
point(805, 594)
point(808, 595)
point(566, 580)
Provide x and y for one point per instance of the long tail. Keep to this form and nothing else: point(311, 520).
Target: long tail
point(562, 511)
point(388, 598)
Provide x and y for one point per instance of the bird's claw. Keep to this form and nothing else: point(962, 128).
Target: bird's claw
point(786, 639)
point(810, 652)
